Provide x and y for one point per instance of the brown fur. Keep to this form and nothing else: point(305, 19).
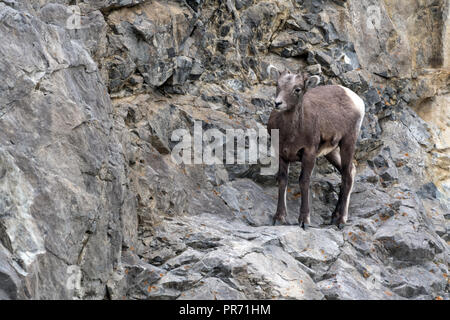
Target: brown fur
point(322, 119)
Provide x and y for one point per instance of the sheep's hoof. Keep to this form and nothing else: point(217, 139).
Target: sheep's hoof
point(336, 221)
point(279, 221)
point(303, 221)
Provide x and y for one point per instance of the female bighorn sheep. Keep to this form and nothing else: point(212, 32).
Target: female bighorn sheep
point(321, 121)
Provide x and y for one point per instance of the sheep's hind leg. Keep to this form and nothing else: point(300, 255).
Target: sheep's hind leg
point(334, 157)
point(283, 172)
point(348, 172)
point(308, 161)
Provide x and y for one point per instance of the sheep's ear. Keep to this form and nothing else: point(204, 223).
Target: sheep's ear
point(312, 82)
point(285, 72)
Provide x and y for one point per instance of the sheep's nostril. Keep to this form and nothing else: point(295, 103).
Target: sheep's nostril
point(278, 104)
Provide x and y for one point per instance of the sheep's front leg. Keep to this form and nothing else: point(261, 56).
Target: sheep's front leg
point(282, 178)
point(308, 161)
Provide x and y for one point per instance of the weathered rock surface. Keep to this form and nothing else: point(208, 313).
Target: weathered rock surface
point(92, 206)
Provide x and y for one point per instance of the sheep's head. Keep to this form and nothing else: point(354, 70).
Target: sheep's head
point(291, 88)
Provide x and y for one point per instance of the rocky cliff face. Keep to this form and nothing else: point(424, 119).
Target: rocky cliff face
point(93, 207)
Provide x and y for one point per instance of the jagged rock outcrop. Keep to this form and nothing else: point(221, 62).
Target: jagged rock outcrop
point(92, 206)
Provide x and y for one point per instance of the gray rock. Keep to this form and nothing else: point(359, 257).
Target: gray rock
point(314, 69)
point(348, 284)
point(10, 285)
point(408, 244)
point(212, 289)
point(315, 248)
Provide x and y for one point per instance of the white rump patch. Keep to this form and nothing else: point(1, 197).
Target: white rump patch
point(358, 103)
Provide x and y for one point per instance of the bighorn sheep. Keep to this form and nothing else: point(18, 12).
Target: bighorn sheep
point(313, 122)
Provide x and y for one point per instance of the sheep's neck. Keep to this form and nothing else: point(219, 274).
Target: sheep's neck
point(297, 115)
point(293, 120)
